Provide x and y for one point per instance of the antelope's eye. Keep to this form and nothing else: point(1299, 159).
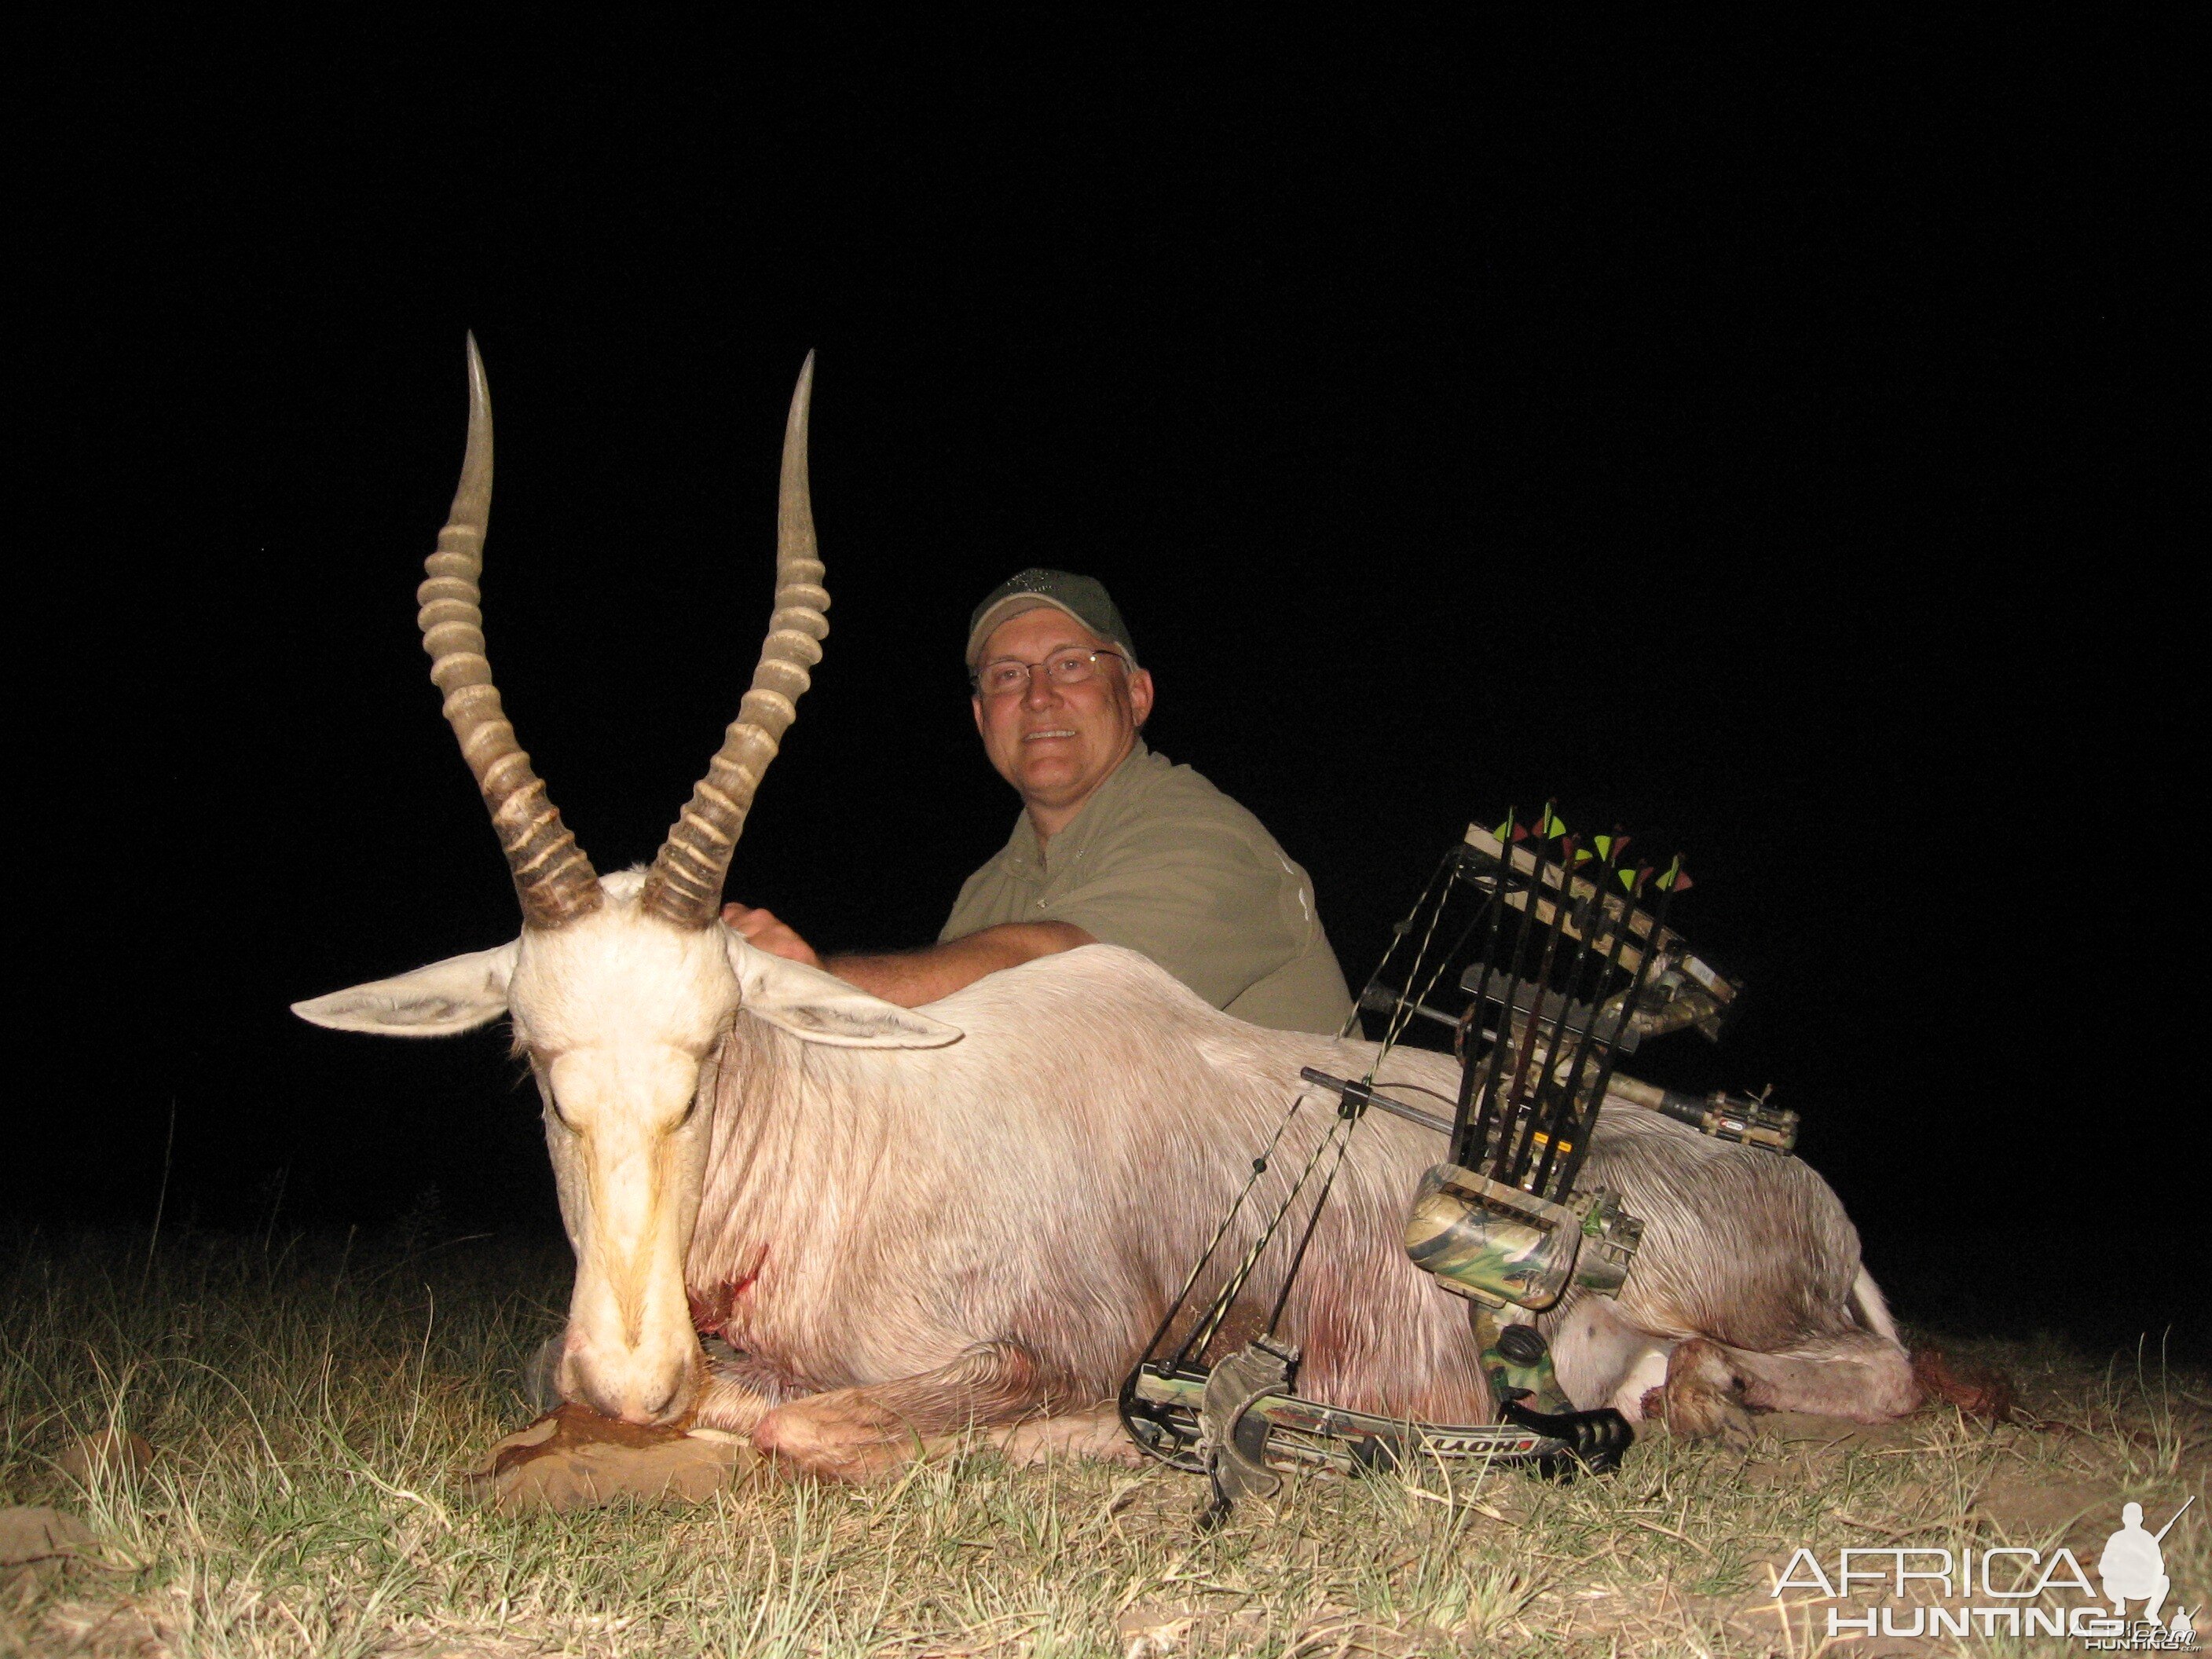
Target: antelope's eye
point(537, 1069)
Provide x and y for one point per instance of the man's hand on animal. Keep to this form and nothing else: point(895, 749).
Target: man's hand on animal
point(765, 931)
point(911, 978)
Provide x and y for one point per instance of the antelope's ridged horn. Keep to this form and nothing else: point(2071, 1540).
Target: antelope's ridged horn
point(552, 878)
point(685, 885)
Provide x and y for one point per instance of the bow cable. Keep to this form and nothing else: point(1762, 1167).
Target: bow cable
point(1339, 1136)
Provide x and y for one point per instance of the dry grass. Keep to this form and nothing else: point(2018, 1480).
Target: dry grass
point(311, 1408)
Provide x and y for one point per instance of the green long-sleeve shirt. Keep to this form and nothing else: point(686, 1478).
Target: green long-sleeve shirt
point(1160, 860)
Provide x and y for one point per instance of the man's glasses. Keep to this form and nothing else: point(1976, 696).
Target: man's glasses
point(1003, 676)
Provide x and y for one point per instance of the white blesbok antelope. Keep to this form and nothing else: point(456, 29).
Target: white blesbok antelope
point(911, 1221)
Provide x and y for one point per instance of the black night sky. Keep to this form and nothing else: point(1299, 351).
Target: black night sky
point(1774, 443)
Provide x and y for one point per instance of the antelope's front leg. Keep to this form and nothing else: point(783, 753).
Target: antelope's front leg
point(859, 1434)
point(739, 1390)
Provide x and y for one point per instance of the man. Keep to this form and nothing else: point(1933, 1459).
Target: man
point(1116, 844)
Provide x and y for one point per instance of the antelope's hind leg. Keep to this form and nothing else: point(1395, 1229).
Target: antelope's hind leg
point(1859, 1375)
point(1710, 1388)
point(859, 1434)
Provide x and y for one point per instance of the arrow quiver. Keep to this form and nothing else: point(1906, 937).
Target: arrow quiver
point(1560, 954)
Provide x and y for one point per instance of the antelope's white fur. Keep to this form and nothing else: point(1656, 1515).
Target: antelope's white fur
point(906, 1221)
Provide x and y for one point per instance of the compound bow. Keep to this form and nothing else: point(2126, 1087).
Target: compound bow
point(1567, 971)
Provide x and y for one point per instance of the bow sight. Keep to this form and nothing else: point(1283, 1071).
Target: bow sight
point(1564, 968)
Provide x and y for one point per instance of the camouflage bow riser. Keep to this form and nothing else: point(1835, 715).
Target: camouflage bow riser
point(1502, 1247)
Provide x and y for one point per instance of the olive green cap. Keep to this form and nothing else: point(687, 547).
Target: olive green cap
point(1083, 598)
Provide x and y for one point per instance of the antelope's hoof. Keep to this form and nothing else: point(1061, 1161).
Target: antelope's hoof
point(1703, 1397)
point(1096, 1436)
point(1698, 1414)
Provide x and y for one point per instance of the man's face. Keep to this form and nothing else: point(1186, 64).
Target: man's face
point(1056, 744)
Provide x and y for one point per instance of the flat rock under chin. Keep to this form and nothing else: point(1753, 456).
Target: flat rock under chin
point(573, 1458)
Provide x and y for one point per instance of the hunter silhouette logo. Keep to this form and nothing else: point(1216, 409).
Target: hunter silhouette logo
point(2133, 1567)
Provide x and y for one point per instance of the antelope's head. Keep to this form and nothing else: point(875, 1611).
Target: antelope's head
point(620, 986)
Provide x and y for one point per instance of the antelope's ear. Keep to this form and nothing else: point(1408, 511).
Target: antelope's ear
point(448, 997)
point(819, 1007)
